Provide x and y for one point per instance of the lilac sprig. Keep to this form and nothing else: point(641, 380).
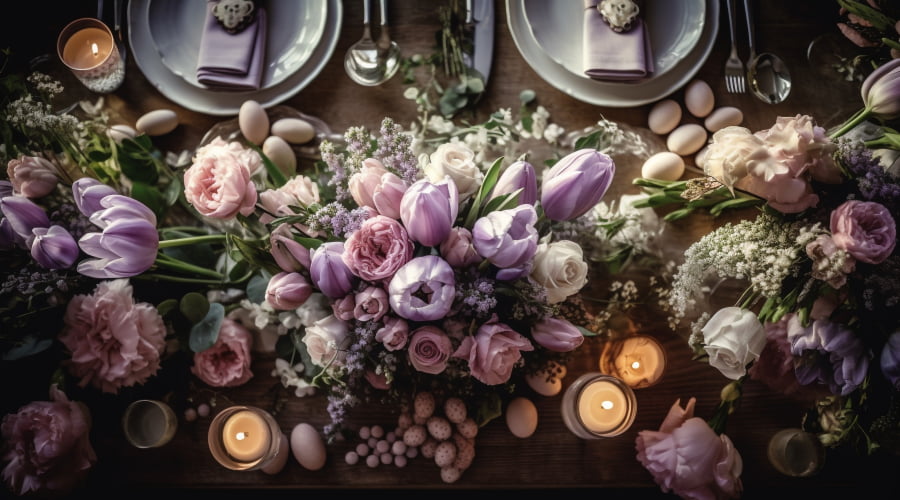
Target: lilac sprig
point(475, 294)
point(395, 151)
point(872, 180)
point(334, 218)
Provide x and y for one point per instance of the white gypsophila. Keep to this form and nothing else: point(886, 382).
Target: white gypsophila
point(539, 121)
point(553, 132)
point(289, 375)
point(640, 230)
point(45, 84)
point(440, 125)
point(504, 116)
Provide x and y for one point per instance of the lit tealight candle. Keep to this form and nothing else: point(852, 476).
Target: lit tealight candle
point(598, 405)
point(87, 47)
point(639, 361)
point(246, 436)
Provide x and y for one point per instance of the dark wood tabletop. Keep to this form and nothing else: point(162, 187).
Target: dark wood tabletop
point(553, 457)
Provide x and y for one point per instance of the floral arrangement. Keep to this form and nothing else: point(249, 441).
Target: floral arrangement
point(818, 319)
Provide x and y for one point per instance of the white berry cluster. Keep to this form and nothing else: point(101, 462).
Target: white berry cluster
point(448, 438)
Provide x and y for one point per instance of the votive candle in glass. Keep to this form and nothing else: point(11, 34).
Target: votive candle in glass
point(148, 423)
point(639, 360)
point(87, 47)
point(597, 406)
point(245, 438)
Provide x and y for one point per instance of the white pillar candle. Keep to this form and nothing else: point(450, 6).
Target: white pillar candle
point(87, 47)
point(598, 405)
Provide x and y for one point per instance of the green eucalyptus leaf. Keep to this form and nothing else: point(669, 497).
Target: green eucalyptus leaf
point(150, 196)
point(256, 287)
point(167, 306)
point(205, 333)
point(526, 96)
point(29, 346)
point(488, 409)
point(194, 307)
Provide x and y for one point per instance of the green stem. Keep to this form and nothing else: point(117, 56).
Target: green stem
point(190, 240)
point(891, 141)
point(167, 262)
point(855, 120)
point(176, 279)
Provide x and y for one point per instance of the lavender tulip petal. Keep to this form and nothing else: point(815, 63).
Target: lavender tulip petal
point(576, 183)
point(24, 215)
point(54, 248)
point(423, 289)
point(88, 193)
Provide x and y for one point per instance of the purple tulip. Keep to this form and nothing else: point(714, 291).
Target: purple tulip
point(423, 289)
point(428, 210)
point(24, 215)
point(54, 247)
point(8, 237)
point(507, 238)
point(88, 192)
point(288, 253)
point(287, 291)
point(890, 360)
point(519, 175)
point(6, 189)
point(127, 245)
point(328, 271)
point(576, 183)
point(557, 334)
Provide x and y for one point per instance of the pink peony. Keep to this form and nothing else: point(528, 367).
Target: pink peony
point(378, 249)
point(32, 176)
point(429, 349)
point(114, 342)
point(687, 458)
point(299, 191)
point(227, 362)
point(46, 445)
point(865, 229)
point(218, 183)
point(493, 351)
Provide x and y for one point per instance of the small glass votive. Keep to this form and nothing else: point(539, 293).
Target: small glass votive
point(149, 423)
point(87, 47)
point(638, 360)
point(598, 406)
point(795, 452)
point(247, 438)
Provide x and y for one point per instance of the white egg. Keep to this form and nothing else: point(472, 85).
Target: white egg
point(157, 122)
point(687, 139)
point(544, 385)
point(725, 116)
point(521, 417)
point(699, 99)
point(700, 157)
point(280, 460)
point(253, 122)
point(308, 446)
point(663, 166)
point(120, 131)
point(664, 116)
point(294, 130)
point(281, 154)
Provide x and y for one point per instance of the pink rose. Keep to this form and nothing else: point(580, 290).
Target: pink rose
point(687, 458)
point(362, 183)
point(32, 176)
point(865, 229)
point(218, 183)
point(46, 446)
point(299, 191)
point(227, 362)
point(493, 351)
point(783, 189)
point(458, 249)
point(393, 334)
point(378, 249)
point(371, 304)
point(804, 147)
point(731, 149)
point(114, 342)
point(830, 264)
point(429, 349)
point(344, 307)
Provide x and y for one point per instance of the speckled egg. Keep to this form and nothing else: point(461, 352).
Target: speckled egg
point(308, 446)
point(687, 139)
point(699, 98)
point(664, 116)
point(157, 122)
point(543, 384)
point(521, 417)
point(725, 116)
point(663, 166)
point(294, 130)
point(253, 122)
point(281, 154)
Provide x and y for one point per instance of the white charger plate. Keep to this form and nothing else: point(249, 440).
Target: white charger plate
point(610, 94)
point(673, 27)
point(294, 28)
point(224, 103)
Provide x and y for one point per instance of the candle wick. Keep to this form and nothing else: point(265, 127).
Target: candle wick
point(242, 436)
point(95, 49)
point(636, 365)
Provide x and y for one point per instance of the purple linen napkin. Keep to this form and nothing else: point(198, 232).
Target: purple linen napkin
point(614, 56)
point(232, 61)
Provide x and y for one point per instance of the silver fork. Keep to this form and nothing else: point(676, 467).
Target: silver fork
point(735, 75)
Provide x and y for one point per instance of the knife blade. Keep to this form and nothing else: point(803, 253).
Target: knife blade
point(480, 13)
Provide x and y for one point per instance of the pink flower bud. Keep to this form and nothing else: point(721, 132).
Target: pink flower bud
point(287, 291)
point(32, 176)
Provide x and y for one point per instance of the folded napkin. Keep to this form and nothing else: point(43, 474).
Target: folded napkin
point(229, 61)
point(614, 56)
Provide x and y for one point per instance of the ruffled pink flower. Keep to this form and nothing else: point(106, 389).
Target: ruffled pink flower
point(227, 362)
point(218, 183)
point(687, 458)
point(46, 446)
point(803, 147)
point(394, 333)
point(299, 191)
point(343, 307)
point(114, 341)
point(429, 349)
point(371, 304)
point(32, 176)
point(378, 249)
point(865, 229)
point(493, 351)
point(458, 249)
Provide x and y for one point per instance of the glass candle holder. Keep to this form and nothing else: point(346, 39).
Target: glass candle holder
point(246, 438)
point(795, 452)
point(639, 360)
point(149, 423)
point(87, 47)
point(598, 406)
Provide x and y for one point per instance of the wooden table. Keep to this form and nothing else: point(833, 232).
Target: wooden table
point(553, 457)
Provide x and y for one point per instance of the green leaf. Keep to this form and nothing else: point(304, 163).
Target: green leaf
point(205, 333)
point(256, 287)
point(310, 243)
point(526, 96)
point(678, 214)
point(490, 180)
point(194, 307)
point(505, 202)
point(275, 175)
point(476, 85)
point(167, 306)
point(585, 332)
point(30, 346)
point(488, 409)
point(589, 141)
point(879, 20)
point(734, 203)
point(616, 261)
point(150, 196)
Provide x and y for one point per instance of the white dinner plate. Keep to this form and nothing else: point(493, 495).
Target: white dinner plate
point(294, 28)
point(610, 94)
point(220, 102)
point(673, 27)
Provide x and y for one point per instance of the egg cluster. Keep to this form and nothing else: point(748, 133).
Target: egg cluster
point(684, 139)
point(447, 437)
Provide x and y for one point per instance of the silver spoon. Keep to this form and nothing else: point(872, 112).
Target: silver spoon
point(388, 50)
point(767, 74)
point(367, 62)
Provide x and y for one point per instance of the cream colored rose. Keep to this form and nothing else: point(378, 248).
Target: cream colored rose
point(560, 268)
point(733, 338)
point(730, 154)
point(456, 160)
point(326, 341)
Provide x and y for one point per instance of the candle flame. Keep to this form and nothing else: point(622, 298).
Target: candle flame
point(606, 405)
point(635, 365)
point(95, 49)
point(241, 436)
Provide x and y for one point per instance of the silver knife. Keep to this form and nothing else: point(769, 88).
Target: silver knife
point(481, 13)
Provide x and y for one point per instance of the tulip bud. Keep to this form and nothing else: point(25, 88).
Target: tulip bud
point(128, 243)
point(287, 291)
point(88, 192)
point(328, 271)
point(287, 252)
point(881, 90)
point(576, 183)
point(557, 334)
point(507, 238)
point(519, 175)
point(428, 210)
point(54, 247)
point(388, 194)
point(458, 250)
point(32, 176)
point(362, 184)
point(24, 215)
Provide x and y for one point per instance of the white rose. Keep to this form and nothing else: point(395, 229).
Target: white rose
point(456, 160)
point(560, 268)
point(327, 340)
point(733, 338)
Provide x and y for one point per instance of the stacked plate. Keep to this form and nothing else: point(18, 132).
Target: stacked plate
point(549, 37)
point(165, 39)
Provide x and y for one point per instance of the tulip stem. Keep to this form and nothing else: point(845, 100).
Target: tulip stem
point(168, 262)
point(190, 240)
point(855, 120)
